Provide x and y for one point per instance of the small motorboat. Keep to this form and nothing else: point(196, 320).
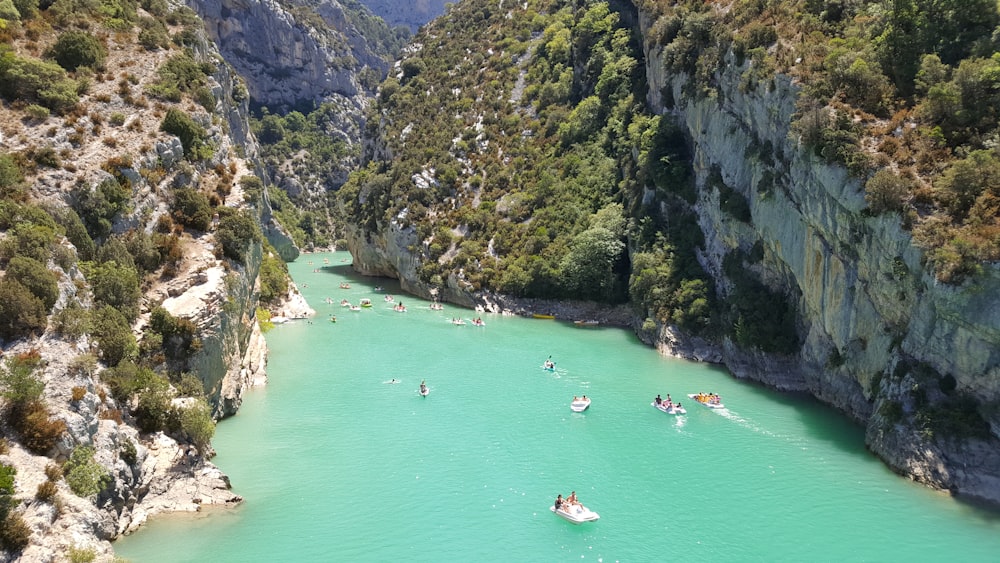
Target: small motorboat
point(580, 405)
point(575, 513)
point(671, 409)
point(366, 302)
point(708, 400)
point(345, 285)
point(345, 303)
point(586, 323)
point(399, 308)
point(478, 322)
point(436, 307)
point(388, 298)
point(355, 308)
point(458, 322)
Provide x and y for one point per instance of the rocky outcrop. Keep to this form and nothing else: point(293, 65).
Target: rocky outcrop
point(867, 307)
point(289, 57)
point(411, 14)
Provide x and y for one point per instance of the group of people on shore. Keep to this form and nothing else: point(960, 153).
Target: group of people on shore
point(568, 502)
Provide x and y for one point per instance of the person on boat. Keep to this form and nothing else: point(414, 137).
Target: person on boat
point(585, 398)
point(571, 499)
point(669, 400)
point(575, 399)
point(658, 400)
point(559, 502)
point(423, 387)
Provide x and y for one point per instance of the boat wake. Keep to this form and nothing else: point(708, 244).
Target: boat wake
point(746, 423)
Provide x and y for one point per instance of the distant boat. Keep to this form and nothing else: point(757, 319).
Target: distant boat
point(366, 302)
point(542, 316)
point(580, 405)
point(708, 400)
point(586, 323)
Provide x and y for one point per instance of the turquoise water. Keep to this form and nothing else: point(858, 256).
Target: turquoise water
point(336, 464)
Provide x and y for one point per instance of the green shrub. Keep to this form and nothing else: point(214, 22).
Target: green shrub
point(197, 425)
point(74, 49)
point(28, 240)
point(72, 321)
point(97, 207)
point(236, 231)
point(179, 74)
point(273, 279)
point(114, 336)
point(84, 475)
point(35, 81)
point(35, 276)
point(885, 192)
point(37, 112)
point(153, 34)
point(76, 232)
point(18, 381)
point(81, 555)
point(21, 312)
point(10, 174)
point(116, 285)
point(128, 453)
point(191, 209)
point(191, 134)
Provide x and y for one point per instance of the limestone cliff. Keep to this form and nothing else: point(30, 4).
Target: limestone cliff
point(148, 472)
point(867, 307)
point(410, 14)
point(290, 53)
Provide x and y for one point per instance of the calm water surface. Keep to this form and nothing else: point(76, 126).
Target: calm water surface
point(337, 464)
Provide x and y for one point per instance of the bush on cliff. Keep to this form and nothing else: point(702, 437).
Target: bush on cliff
point(21, 312)
point(74, 49)
point(14, 533)
point(35, 276)
point(83, 474)
point(237, 230)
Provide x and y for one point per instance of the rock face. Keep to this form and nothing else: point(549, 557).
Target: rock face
point(285, 57)
point(868, 309)
point(410, 14)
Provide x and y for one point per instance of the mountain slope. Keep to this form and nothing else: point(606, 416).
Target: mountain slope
point(778, 179)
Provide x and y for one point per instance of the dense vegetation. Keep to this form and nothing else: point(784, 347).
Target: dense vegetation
point(903, 93)
point(532, 167)
point(522, 167)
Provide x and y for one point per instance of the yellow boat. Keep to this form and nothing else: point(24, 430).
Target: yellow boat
point(541, 316)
